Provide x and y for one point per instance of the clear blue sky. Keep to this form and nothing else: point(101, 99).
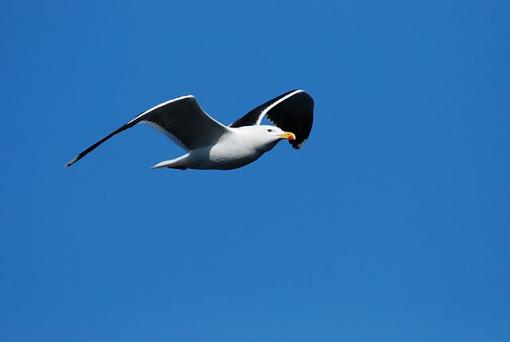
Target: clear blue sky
point(392, 224)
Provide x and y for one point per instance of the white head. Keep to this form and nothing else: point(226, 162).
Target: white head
point(264, 137)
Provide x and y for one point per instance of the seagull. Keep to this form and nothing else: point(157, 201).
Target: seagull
point(210, 144)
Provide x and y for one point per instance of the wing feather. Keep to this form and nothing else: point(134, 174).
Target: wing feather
point(291, 111)
point(181, 119)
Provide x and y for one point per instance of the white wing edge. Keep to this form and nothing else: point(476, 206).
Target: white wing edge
point(272, 105)
point(161, 105)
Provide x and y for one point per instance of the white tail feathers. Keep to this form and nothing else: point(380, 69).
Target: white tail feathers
point(180, 163)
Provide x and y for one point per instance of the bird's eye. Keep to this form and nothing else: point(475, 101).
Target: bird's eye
point(269, 130)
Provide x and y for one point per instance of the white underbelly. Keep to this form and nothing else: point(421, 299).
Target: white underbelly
point(221, 157)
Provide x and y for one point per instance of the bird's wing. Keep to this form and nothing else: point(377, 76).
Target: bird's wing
point(181, 119)
point(292, 111)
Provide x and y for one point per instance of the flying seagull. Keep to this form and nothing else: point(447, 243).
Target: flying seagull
point(212, 145)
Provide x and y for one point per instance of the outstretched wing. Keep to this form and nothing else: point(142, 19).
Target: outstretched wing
point(181, 119)
point(292, 111)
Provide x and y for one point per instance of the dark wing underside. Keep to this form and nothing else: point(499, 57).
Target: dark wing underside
point(181, 119)
point(291, 111)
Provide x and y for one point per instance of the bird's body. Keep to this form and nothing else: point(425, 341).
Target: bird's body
point(212, 145)
point(236, 148)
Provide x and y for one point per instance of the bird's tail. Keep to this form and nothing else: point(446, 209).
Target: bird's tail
point(180, 163)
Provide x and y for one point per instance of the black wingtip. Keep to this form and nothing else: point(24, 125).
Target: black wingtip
point(71, 162)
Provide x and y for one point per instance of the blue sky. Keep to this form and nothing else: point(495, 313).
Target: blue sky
point(391, 224)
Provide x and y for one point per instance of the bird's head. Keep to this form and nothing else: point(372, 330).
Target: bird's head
point(266, 136)
point(276, 133)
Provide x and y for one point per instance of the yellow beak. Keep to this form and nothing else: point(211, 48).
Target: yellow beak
point(288, 136)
